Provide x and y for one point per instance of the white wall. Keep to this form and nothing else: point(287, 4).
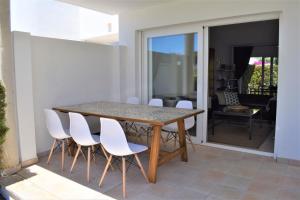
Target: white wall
point(223, 38)
point(287, 143)
point(68, 72)
point(51, 18)
point(93, 24)
point(47, 18)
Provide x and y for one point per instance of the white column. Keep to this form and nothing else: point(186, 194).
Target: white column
point(24, 97)
point(10, 150)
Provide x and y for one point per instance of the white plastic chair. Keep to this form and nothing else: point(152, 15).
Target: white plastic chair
point(189, 123)
point(133, 100)
point(57, 131)
point(114, 142)
point(82, 135)
point(156, 102)
point(128, 126)
point(144, 128)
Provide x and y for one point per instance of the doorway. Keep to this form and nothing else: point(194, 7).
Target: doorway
point(203, 69)
point(171, 61)
point(242, 84)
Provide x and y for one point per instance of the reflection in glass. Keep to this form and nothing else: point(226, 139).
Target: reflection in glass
point(172, 65)
point(172, 69)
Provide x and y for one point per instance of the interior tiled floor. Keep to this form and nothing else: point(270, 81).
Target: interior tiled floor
point(268, 144)
point(237, 135)
point(210, 174)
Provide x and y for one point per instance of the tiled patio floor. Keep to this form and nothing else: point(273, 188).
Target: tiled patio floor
point(210, 174)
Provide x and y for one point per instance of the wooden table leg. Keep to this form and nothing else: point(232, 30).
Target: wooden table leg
point(154, 154)
point(182, 140)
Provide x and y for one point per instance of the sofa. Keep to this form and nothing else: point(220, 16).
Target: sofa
point(266, 103)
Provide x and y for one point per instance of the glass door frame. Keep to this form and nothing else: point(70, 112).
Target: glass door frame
point(202, 28)
point(230, 21)
point(201, 97)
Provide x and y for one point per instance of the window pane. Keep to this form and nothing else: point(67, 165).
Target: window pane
point(264, 78)
point(255, 84)
point(172, 67)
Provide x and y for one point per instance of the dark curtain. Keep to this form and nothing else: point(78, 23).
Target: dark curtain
point(241, 57)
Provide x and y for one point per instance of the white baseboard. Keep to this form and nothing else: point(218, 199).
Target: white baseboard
point(240, 149)
point(30, 162)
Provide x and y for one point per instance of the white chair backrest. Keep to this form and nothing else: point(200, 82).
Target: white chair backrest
point(54, 124)
point(112, 137)
point(188, 122)
point(133, 100)
point(79, 129)
point(156, 102)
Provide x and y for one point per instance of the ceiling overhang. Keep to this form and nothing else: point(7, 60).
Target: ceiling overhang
point(114, 7)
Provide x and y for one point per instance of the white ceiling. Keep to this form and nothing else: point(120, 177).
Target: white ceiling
point(115, 6)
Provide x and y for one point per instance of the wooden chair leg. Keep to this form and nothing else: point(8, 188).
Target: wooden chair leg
point(147, 139)
point(170, 136)
point(69, 147)
point(88, 164)
point(105, 170)
point(104, 152)
point(124, 176)
point(93, 153)
point(162, 139)
point(51, 151)
point(190, 140)
point(141, 167)
point(82, 154)
point(175, 139)
point(75, 158)
point(106, 156)
point(148, 136)
point(62, 154)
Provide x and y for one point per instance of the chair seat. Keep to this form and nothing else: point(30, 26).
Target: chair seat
point(137, 148)
point(170, 127)
point(174, 128)
point(133, 149)
point(96, 139)
point(64, 135)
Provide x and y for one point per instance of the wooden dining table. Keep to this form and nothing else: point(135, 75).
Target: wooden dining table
point(157, 117)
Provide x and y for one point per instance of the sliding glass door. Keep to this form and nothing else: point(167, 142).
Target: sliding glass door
point(171, 69)
point(172, 65)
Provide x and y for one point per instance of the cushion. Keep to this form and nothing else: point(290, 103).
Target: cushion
point(231, 98)
point(221, 97)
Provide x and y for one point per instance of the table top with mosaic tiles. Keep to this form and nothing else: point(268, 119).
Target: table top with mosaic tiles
point(130, 112)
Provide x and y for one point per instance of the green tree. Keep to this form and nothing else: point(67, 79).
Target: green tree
point(3, 127)
point(256, 83)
